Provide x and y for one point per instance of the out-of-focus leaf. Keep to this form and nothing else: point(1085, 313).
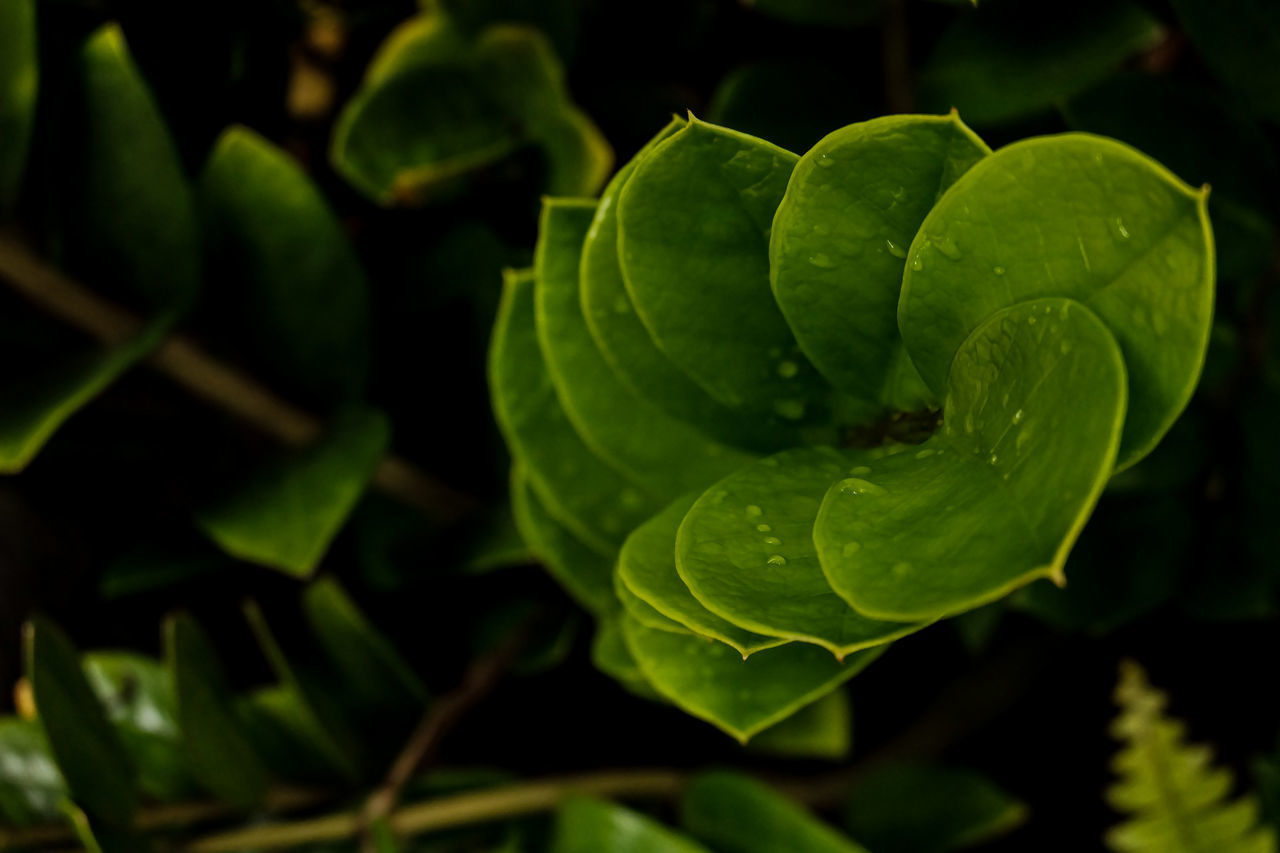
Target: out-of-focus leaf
point(611, 656)
point(586, 825)
point(286, 264)
point(95, 837)
point(87, 748)
point(1239, 40)
point(19, 82)
point(213, 740)
point(921, 808)
point(30, 785)
point(286, 515)
point(557, 18)
point(282, 730)
point(155, 565)
point(821, 730)
point(733, 813)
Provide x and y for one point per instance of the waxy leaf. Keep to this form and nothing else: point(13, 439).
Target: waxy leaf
point(19, 82)
point(30, 784)
point(647, 567)
point(292, 274)
point(588, 825)
point(839, 242)
point(590, 498)
point(741, 697)
point(89, 753)
point(288, 513)
point(693, 238)
point(1032, 419)
point(666, 457)
point(1082, 217)
point(581, 569)
point(823, 729)
point(746, 551)
point(736, 814)
point(642, 611)
point(214, 742)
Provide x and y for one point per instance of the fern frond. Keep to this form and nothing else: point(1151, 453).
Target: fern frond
point(1176, 798)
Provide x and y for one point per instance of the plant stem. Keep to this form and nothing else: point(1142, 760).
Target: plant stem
point(202, 375)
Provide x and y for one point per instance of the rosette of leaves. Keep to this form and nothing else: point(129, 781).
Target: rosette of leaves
point(771, 412)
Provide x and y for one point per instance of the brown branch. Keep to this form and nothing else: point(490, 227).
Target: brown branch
point(217, 384)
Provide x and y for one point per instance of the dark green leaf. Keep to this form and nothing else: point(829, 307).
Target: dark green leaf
point(823, 729)
point(736, 814)
point(30, 785)
point(585, 825)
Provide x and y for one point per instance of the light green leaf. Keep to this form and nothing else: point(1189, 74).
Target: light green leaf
point(125, 209)
point(1238, 40)
point(1033, 414)
point(642, 611)
point(647, 568)
point(666, 457)
point(839, 242)
point(1012, 62)
point(1082, 217)
point(213, 740)
point(588, 825)
point(823, 729)
point(286, 515)
point(19, 82)
point(741, 697)
point(297, 282)
point(746, 551)
point(30, 785)
point(736, 814)
point(580, 568)
point(697, 212)
point(921, 808)
point(580, 491)
point(377, 678)
point(89, 753)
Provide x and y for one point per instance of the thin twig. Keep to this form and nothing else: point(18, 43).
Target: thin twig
point(214, 382)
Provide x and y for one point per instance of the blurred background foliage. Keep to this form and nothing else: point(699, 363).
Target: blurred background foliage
point(320, 197)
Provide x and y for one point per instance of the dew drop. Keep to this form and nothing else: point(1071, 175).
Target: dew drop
point(1121, 231)
point(998, 270)
point(825, 161)
point(992, 459)
point(777, 560)
point(948, 249)
point(772, 540)
point(754, 511)
point(1017, 416)
point(788, 369)
point(894, 249)
point(851, 548)
point(1031, 321)
point(854, 486)
point(764, 528)
point(917, 262)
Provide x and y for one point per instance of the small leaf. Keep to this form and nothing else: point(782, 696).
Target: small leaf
point(736, 814)
point(213, 739)
point(921, 808)
point(856, 200)
point(823, 729)
point(288, 513)
point(586, 825)
point(1042, 218)
point(741, 697)
point(89, 753)
point(30, 784)
point(19, 82)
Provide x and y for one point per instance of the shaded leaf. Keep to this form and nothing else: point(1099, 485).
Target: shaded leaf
point(19, 82)
point(586, 825)
point(736, 814)
point(30, 784)
point(823, 729)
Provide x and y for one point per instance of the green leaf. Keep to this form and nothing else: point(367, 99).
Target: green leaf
point(126, 211)
point(282, 728)
point(587, 825)
point(1175, 797)
point(297, 282)
point(647, 568)
point(741, 697)
point(697, 211)
point(581, 569)
point(286, 515)
point(1238, 40)
point(594, 501)
point(746, 551)
point(214, 742)
point(1082, 217)
point(19, 82)
point(626, 344)
point(922, 808)
point(611, 656)
point(665, 458)
point(87, 748)
point(373, 671)
point(823, 729)
point(30, 785)
point(138, 696)
point(95, 837)
point(733, 813)
point(39, 403)
point(643, 612)
point(839, 242)
point(1033, 414)
point(1011, 62)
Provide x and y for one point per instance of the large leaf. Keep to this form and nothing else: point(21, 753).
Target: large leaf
point(216, 747)
point(89, 753)
point(587, 825)
point(1034, 409)
point(30, 785)
point(286, 515)
point(736, 814)
point(742, 697)
point(287, 266)
point(665, 458)
point(693, 237)
point(1082, 217)
point(839, 242)
point(746, 551)
point(19, 81)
